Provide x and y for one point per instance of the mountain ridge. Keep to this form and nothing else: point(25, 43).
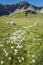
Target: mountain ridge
point(19, 7)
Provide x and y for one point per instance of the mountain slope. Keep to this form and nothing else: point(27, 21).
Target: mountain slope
point(20, 7)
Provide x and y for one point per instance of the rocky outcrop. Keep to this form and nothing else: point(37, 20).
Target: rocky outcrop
point(21, 6)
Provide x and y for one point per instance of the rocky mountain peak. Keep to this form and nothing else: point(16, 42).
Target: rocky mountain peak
point(19, 7)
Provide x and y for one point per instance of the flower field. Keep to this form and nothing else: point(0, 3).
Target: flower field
point(21, 44)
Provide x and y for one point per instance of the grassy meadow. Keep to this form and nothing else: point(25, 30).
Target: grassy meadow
point(21, 43)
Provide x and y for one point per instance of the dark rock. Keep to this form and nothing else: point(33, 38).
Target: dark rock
point(9, 9)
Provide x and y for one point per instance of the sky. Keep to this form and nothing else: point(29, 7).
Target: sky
point(33, 2)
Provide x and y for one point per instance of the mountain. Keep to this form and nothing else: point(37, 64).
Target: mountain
point(20, 7)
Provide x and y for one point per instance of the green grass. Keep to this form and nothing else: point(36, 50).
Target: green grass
point(32, 42)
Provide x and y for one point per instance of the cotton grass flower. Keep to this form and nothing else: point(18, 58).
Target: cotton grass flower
point(33, 56)
point(9, 58)
point(8, 41)
point(18, 57)
point(15, 51)
point(22, 58)
point(4, 50)
point(12, 47)
point(2, 62)
point(19, 46)
point(33, 61)
point(6, 54)
point(12, 42)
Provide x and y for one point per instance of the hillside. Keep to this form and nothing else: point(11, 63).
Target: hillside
point(21, 34)
point(21, 40)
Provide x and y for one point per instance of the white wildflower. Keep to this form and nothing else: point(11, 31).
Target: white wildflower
point(2, 62)
point(33, 55)
point(14, 38)
point(33, 60)
point(9, 58)
point(6, 54)
point(18, 57)
point(12, 41)
point(15, 51)
point(8, 42)
point(4, 50)
point(22, 58)
point(19, 46)
point(12, 47)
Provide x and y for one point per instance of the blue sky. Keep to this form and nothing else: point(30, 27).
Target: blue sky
point(34, 2)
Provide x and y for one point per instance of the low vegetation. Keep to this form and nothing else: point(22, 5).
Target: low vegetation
point(21, 44)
